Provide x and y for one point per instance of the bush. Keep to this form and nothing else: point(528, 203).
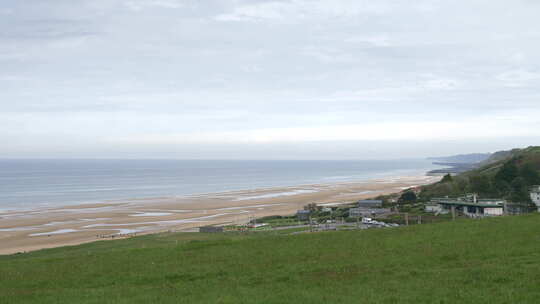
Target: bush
point(408, 197)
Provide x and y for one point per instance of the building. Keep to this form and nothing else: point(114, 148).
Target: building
point(254, 225)
point(355, 212)
point(370, 203)
point(515, 209)
point(535, 196)
point(210, 229)
point(468, 205)
point(472, 209)
point(303, 215)
point(363, 212)
point(326, 209)
point(435, 208)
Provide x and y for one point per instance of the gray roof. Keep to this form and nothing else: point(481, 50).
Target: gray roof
point(462, 203)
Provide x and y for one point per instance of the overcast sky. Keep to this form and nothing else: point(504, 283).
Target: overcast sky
point(289, 79)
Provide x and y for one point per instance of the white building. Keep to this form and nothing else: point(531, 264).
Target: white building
point(435, 208)
point(469, 205)
point(326, 209)
point(303, 215)
point(535, 196)
point(363, 212)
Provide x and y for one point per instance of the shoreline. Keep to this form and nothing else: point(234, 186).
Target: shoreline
point(38, 228)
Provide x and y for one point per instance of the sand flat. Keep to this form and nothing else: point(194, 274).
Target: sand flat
point(52, 227)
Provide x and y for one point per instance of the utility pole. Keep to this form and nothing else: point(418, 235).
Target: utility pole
point(453, 213)
point(407, 218)
point(419, 219)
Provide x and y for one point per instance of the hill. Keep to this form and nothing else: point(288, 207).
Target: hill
point(459, 163)
point(506, 174)
point(495, 260)
point(463, 158)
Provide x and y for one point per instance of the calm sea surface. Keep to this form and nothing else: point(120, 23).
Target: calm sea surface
point(37, 183)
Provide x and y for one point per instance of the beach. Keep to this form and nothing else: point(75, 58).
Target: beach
point(33, 229)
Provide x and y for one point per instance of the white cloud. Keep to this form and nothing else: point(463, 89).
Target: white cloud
point(295, 10)
point(380, 40)
point(403, 93)
point(6, 11)
point(166, 71)
point(484, 127)
point(518, 78)
point(138, 5)
point(253, 12)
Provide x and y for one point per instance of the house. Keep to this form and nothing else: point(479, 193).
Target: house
point(355, 212)
point(326, 209)
point(535, 196)
point(210, 229)
point(254, 225)
point(473, 209)
point(370, 203)
point(363, 212)
point(303, 215)
point(468, 205)
point(515, 209)
point(433, 208)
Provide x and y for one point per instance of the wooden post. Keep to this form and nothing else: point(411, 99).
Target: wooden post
point(453, 213)
point(407, 218)
point(419, 219)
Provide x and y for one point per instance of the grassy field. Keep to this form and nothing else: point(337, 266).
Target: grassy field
point(468, 261)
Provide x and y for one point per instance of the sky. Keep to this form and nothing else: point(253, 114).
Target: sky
point(254, 79)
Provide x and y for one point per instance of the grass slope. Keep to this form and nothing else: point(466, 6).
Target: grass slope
point(493, 260)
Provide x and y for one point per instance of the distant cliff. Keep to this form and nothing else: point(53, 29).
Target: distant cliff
point(459, 163)
point(463, 158)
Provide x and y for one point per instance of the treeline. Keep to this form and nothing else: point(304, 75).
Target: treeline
point(510, 179)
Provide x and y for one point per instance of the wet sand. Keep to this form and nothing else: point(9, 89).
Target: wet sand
point(52, 227)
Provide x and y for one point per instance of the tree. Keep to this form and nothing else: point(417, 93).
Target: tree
point(447, 178)
point(502, 187)
point(508, 172)
point(480, 184)
point(461, 185)
point(519, 191)
point(407, 197)
point(312, 207)
point(530, 175)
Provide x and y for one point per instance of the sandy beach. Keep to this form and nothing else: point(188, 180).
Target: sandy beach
point(29, 230)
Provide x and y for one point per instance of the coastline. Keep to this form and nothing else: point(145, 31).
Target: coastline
point(33, 229)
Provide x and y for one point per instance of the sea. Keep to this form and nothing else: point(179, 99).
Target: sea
point(29, 184)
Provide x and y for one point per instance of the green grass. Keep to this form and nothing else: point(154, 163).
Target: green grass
point(468, 261)
point(283, 222)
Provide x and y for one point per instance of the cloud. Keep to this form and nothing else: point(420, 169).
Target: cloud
point(138, 5)
point(236, 72)
point(518, 78)
point(474, 128)
point(6, 11)
point(296, 10)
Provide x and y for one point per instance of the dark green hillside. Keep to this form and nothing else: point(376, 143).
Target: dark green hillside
point(495, 260)
point(506, 174)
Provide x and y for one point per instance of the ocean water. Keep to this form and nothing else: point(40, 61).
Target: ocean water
point(38, 183)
